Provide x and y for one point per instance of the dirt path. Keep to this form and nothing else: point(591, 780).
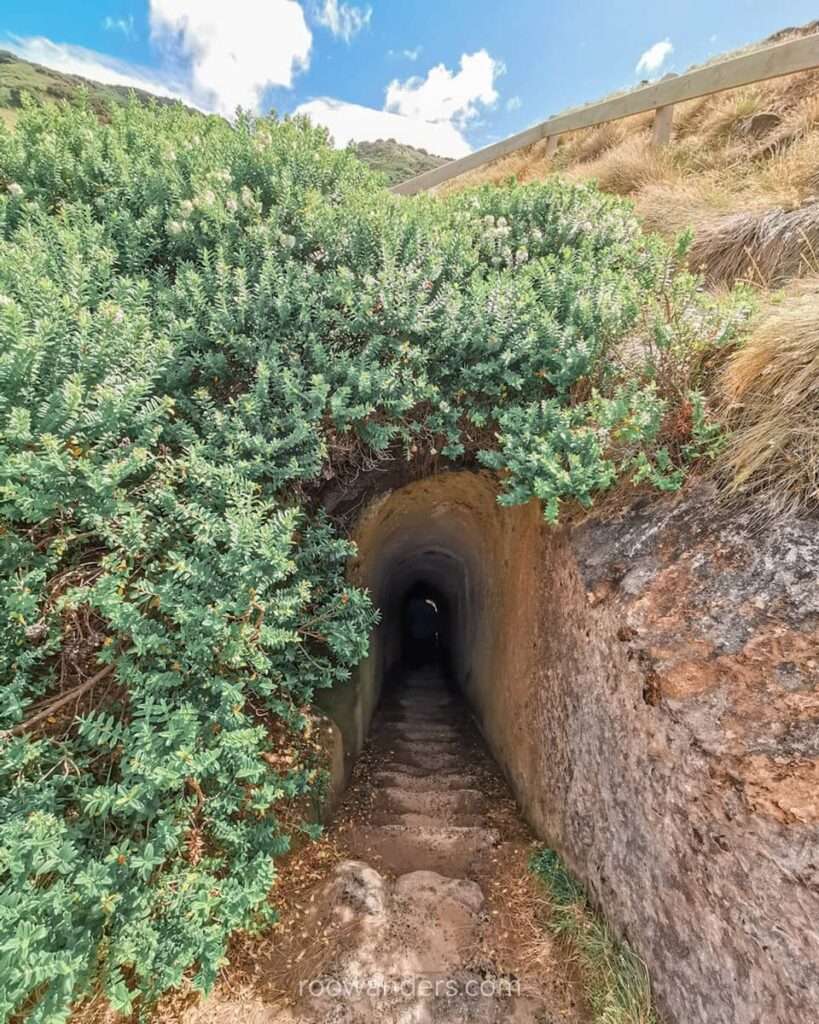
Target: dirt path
point(418, 906)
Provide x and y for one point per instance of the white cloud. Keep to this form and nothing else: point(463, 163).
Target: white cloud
point(654, 57)
point(514, 103)
point(342, 19)
point(123, 25)
point(351, 122)
point(234, 50)
point(215, 56)
point(447, 96)
point(76, 60)
point(431, 112)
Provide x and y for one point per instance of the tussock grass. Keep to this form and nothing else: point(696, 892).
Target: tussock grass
point(765, 248)
point(586, 146)
point(671, 207)
point(771, 393)
point(791, 174)
point(628, 166)
point(615, 981)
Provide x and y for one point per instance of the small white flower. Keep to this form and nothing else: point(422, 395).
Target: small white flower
point(174, 227)
point(247, 196)
point(208, 199)
point(5, 300)
point(502, 222)
point(14, 189)
point(232, 205)
point(186, 207)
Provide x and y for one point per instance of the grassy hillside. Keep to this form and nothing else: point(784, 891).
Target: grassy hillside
point(742, 171)
point(397, 161)
point(20, 76)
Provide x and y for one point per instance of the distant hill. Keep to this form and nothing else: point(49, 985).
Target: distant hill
point(18, 76)
point(397, 161)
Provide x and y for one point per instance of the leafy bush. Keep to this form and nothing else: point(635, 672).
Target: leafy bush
point(200, 324)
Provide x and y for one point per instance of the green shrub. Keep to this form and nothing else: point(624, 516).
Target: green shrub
point(201, 324)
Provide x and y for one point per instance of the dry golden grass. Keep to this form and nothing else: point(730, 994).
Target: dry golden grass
point(766, 248)
point(583, 147)
point(742, 171)
point(770, 390)
point(791, 174)
point(671, 207)
point(628, 166)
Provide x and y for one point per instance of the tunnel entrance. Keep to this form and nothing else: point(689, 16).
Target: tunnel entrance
point(533, 627)
point(454, 576)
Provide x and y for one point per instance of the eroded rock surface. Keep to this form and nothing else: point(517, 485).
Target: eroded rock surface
point(407, 954)
point(687, 725)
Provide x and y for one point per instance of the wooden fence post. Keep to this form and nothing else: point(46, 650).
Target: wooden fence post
point(663, 119)
point(786, 58)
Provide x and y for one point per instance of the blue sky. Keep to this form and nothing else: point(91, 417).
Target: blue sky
point(451, 75)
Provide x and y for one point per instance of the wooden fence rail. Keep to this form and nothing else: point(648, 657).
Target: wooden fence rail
point(757, 66)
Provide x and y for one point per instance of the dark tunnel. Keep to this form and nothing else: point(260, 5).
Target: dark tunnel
point(426, 616)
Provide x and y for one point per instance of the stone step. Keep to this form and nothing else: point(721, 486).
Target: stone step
point(402, 800)
point(416, 821)
point(424, 730)
point(408, 738)
point(428, 747)
point(450, 850)
point(420, 722)
point(425, 681)
point(419, 781)
point(426, 698)
point(428, 762)
point(425, 702)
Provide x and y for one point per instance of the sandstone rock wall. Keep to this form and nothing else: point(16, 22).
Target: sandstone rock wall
point(693, 806)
